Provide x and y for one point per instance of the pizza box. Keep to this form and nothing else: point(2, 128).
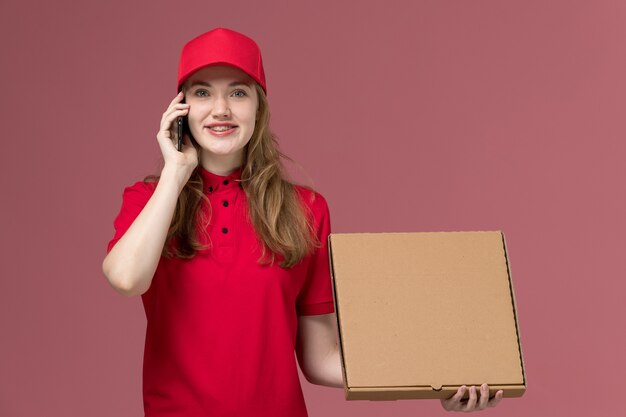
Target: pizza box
point(422, 313)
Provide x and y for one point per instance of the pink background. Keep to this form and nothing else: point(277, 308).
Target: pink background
point(406, 116)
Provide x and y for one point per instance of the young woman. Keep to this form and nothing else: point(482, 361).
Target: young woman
point(229, 257)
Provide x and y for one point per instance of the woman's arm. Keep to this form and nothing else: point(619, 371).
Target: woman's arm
point(317, 349)
point(131, 263)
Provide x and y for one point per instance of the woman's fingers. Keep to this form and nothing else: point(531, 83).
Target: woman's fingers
point(472, 399)
point(178, 97)
point(484, 397)
point(185, 161)
point(173, 110)
point(168, 132)
point(454, 403)
point(172, 113)
point(496, 399)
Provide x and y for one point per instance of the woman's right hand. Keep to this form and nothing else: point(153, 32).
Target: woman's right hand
point(183, 163)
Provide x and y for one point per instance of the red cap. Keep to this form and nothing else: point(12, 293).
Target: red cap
point(221, 46)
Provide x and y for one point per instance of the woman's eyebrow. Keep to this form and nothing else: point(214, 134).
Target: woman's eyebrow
point(206, 84)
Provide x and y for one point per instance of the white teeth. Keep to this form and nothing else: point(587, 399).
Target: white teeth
point(221, 128)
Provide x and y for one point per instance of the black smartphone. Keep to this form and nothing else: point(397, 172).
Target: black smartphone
point(182, 127)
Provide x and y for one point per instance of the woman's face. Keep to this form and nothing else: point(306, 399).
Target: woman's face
point(221, 94)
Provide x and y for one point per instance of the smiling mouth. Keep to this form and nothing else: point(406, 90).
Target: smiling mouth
point(221, 128)
point(222, 131)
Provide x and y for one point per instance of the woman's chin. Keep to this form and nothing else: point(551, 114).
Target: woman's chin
point(219, 151)
point(218, 147)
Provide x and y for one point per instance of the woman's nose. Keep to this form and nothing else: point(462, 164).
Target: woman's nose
point(220, 107)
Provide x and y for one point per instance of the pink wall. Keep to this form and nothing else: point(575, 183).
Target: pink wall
point(422, 116)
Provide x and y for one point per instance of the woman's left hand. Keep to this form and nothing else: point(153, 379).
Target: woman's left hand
point(456, 403)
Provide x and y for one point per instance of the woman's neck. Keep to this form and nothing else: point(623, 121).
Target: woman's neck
point(221, 164)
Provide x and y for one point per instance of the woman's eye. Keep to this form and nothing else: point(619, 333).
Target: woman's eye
point(204, 93)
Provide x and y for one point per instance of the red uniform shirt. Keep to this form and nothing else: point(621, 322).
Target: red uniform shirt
point(221, 329)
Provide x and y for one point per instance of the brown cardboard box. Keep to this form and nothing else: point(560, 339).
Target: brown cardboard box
point(422, 313)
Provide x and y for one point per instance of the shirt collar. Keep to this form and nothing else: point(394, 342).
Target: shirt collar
point(214, 182)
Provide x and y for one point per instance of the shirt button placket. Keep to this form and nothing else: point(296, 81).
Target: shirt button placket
point(228, 218)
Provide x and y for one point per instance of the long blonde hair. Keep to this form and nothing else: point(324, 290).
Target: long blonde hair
point(280, 219)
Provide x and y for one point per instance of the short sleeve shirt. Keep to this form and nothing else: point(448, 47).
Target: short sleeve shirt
point(221, 328)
